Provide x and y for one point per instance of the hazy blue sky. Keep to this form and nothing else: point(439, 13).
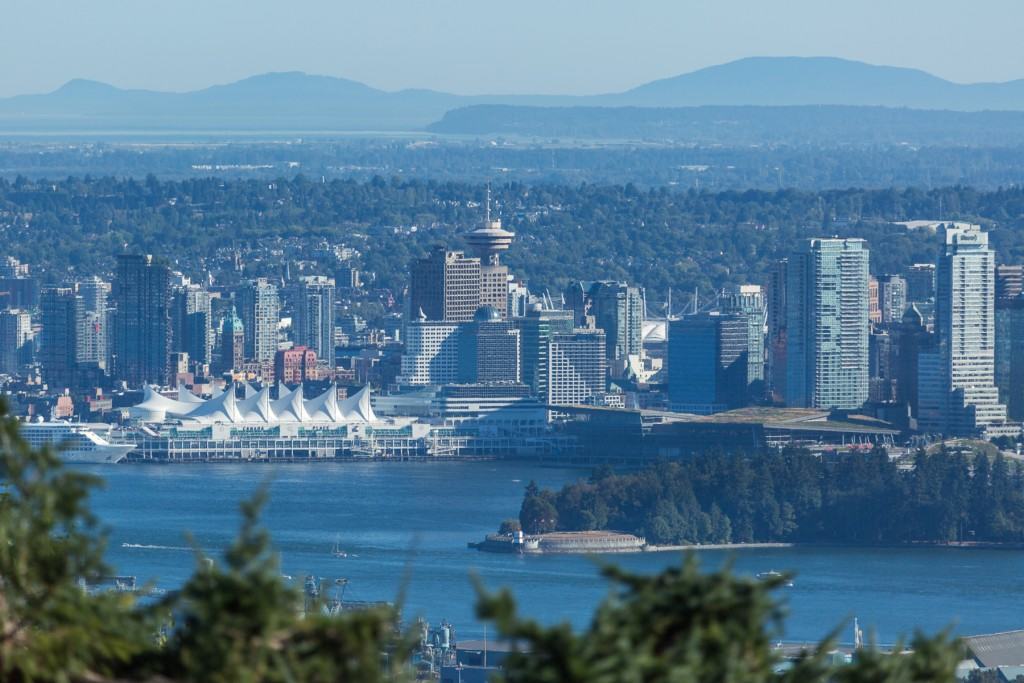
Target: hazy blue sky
point(535, 46)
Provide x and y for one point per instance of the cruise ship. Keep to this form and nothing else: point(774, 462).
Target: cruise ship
point(77, 442)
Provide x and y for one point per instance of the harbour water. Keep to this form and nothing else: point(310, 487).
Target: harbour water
point(406, 525)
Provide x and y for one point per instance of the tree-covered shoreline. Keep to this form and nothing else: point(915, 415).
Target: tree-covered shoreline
point(794, 496)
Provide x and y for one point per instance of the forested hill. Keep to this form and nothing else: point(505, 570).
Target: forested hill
point(794, 496)
point(658, 238)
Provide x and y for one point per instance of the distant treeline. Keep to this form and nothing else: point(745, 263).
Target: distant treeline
point(793, 496)
point(657, 238)
point(743, 125)
point(801, 164)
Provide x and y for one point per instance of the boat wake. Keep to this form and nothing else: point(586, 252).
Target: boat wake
point(147, 546)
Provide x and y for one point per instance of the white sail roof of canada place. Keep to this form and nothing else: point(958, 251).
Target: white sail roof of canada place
point(257, 408)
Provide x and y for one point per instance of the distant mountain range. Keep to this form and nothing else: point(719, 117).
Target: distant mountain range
point(296, 101)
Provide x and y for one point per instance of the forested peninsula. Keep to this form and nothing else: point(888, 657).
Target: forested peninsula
point(793, 496)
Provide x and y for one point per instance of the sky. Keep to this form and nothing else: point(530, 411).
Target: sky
point(486, 46)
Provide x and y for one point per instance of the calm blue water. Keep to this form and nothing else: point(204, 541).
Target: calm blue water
point(413, 520)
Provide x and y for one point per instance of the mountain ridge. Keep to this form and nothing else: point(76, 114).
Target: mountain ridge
point(297, 100)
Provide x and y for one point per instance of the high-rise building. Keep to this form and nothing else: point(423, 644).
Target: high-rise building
point(93, 337)
point(260, 310)
point(874, 310)
point(775, 294)
point(1009, 286)
point(490, 349)
point(487, 242)
point(827, 324)
point(892, 298)
point(142, 321)
point(1009, 358)
point(881, 373)
point(615, 307)
point(577, 367)
point(15, 340)
point(295, 365)
point(60, 311)
point(535, 330)
point(19, 292)
point(445, 285)
point(313, 325)
point(192, 322)
point(920, 279)
point(748, 301)
point(12, 267)
point(909, 339)
point(232, 342)
point(347, 277)
point(1009, 281)
point(431, 353)
point(708, 362)
point(518, 298)
point(965, 330)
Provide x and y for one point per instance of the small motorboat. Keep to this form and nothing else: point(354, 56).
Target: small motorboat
point(772, 574)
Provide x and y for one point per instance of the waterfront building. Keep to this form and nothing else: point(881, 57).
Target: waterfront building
point(967, 400)
point(509, 406)
point(577, 366)
point(313, 325)
point(142, 321)
point(708, 362)
point(60, 313)
point(498, 423)
point(490, 349)
point(93, 332)
point(232, 342)
point(15, 340)
point(892, 298)
point(295, 365)
point(260, 310)
point(615, 307)
point(827, 325)
point(431, 352)
point(535, 330)
point(192, 322)
point(445, 285)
